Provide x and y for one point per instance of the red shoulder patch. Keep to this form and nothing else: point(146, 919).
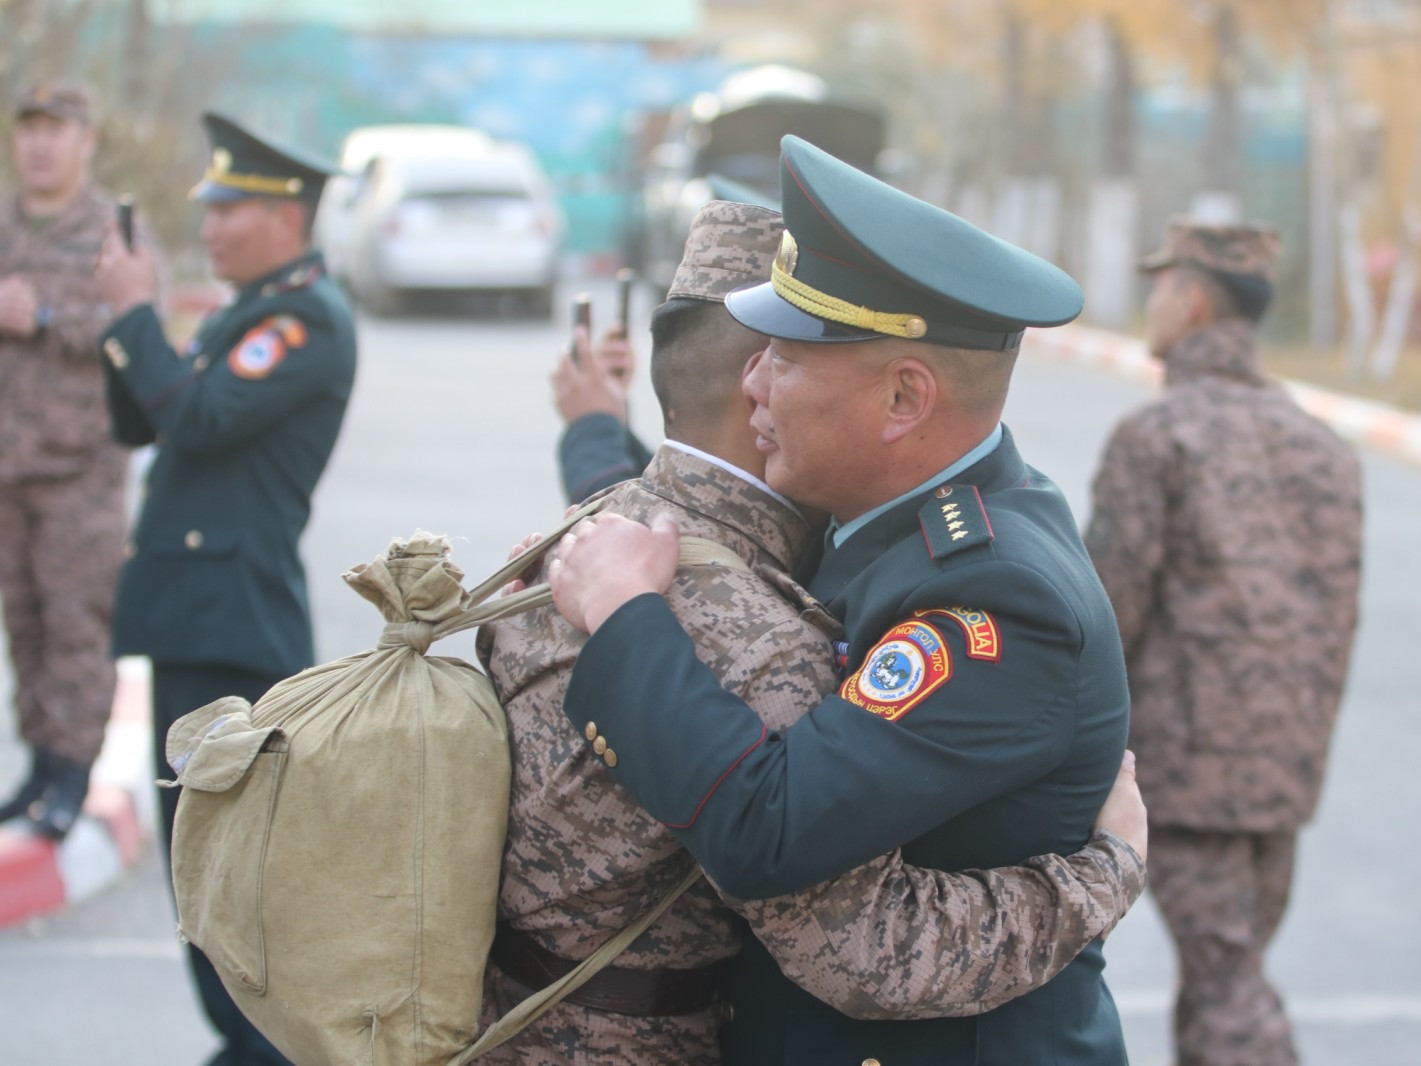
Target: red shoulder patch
point(984, 640)
point(900, 671)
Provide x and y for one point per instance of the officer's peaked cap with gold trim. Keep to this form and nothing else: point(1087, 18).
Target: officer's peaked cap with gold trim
point(243, 165)
point(862, 260)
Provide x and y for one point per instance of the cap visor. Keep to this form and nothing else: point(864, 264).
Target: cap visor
point(760, 308)
point(1155, 261)
point(208, 192)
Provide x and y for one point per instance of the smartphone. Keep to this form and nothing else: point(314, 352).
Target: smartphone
point(581, 316)
point(625, 278)
point(125, 220)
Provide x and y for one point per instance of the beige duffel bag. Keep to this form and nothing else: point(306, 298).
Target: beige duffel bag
point(336, 849)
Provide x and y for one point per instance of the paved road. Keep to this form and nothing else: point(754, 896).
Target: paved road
point(451, 431)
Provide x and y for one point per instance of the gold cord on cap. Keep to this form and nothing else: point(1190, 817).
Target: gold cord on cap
point(822, 305)
point(255, 183)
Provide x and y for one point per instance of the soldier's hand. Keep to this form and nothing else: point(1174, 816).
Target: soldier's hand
point(608, 560)
point(615, 356)
point(1124, 811)
point(126, 278)
point(19, 306)
point(584, 386)
point(519, 583)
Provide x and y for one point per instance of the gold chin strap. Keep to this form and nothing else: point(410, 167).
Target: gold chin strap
point(822, 305)
point(255, 183)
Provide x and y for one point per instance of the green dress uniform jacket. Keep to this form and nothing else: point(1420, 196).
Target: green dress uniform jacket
point(596, 452)
point(245, 420)
point(983, 722)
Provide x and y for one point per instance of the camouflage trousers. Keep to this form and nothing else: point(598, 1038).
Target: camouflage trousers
point(61, 544)
point(572, 1035)
point(1223, 896)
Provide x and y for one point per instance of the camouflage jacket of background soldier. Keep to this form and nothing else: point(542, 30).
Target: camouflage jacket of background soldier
point(52, 418)
point(1227, 530)
point(583, 860)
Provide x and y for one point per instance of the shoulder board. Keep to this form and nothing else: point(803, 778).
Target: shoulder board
point(303, 277)
point(954, 518)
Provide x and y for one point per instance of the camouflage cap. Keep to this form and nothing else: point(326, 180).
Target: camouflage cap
point(59, 99)
point(1243, 250)
point(729, 245)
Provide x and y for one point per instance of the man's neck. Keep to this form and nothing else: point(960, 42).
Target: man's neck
point(40, 205)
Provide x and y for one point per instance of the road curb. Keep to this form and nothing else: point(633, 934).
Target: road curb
point(36, 875)
point(1378, 427)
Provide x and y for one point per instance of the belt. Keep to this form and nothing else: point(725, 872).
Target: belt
point(615, 989)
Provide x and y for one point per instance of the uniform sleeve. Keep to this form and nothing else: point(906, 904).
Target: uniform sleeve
point(596, 452)
point(127, 422)
point(278, 364)
point(889, 940)
point(768, 813)
point(1125, 535)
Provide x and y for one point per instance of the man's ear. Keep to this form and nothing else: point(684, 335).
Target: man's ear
point(912, 391)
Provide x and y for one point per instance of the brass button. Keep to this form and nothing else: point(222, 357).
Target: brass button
point(870, 1062)
point(114, 350)
point(200, 361)
point(599, 745)
point(193, 539)
point(609, 757)
point(591, 731)
point(944, 492)
point(914, 328)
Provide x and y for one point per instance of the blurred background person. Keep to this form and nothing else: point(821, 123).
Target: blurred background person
point(214, 591)
point(61, 475)
point(597, 448)
point(1227, 529)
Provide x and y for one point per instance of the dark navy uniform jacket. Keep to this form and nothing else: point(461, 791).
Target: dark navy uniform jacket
point(596, 452)
point(245, 420)
point(981, 720)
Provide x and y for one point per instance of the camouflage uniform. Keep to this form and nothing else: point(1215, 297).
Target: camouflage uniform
point(61, 484)
point(583, 860)
point(1227, 531)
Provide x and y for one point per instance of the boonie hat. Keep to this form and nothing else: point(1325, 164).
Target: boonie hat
point(730, 245)
point(59, 99)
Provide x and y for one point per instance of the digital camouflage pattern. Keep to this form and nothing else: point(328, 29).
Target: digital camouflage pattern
point(583, 860)
point(59, 99)
point(1223, 896)
point(1227, 530)
point(62, 515)
point(729, 245)
point(1250, 249)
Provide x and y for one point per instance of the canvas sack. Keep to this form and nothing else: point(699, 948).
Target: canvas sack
point(336, 849)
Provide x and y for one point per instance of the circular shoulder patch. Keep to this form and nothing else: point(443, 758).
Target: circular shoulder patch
point(259, 353)
point(900, 671)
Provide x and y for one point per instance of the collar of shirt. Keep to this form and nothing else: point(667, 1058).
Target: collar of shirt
point(838, 533)
point(731, 468)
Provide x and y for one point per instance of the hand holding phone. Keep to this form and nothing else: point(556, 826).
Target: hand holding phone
point(125, 220)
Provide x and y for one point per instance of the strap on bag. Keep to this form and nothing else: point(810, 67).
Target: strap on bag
point(694, 551)
point(539, 1003)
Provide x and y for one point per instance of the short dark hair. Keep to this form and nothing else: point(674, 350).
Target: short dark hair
point(698, 354)
point(1231, 295)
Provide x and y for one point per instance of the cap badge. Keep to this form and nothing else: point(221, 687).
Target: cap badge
point(221, 160)
point(788, 256)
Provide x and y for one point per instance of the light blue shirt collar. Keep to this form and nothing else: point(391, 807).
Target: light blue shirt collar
point(840, 533)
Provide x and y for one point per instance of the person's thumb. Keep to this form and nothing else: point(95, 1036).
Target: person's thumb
point(1127, 764)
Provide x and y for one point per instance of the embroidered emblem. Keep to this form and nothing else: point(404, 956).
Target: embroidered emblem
point(901, 670)
point(980, 628)
point(264, 347)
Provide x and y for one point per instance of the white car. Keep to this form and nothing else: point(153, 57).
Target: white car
point(335, 221)
point(463, 217)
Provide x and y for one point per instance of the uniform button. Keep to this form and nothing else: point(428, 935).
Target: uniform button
point(129, 549)
point(199, 362)
point(942, 494)
point(599, 745)
point(193, 539)
point(870, 1062)
point(591, 731)
point(609, 757)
